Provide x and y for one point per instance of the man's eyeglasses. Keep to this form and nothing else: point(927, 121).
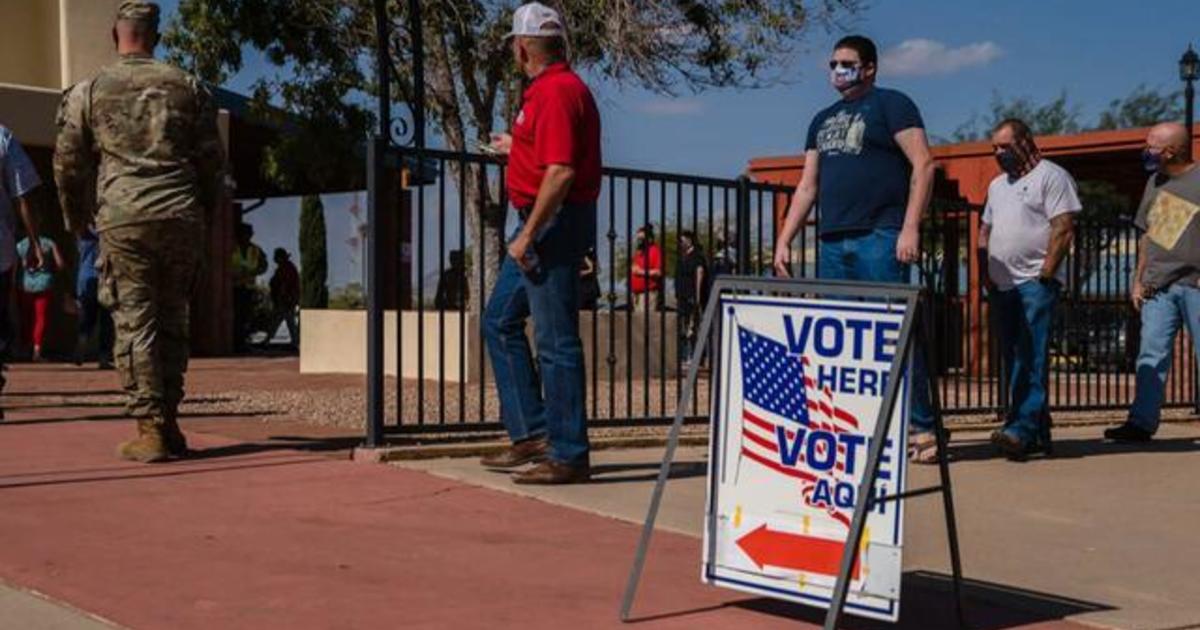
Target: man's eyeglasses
point(834, 64)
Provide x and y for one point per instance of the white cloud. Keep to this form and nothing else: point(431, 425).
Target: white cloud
point(927, 57)
point(671, 107)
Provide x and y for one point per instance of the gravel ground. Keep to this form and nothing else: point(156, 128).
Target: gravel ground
point(341, 406)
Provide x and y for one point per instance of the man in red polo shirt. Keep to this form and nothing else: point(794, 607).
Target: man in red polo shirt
point(553, 182)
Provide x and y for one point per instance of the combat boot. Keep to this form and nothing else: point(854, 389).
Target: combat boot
point(173, 438)
point(149, 446)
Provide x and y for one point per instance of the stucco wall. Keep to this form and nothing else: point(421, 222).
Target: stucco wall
point(29, 113)
point(334, 342)
point(29, 53)
point(86, 32)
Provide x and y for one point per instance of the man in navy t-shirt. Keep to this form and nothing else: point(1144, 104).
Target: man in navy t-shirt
point(868, 170)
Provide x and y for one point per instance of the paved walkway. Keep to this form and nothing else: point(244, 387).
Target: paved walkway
point(1102, 534)
point(270, 534)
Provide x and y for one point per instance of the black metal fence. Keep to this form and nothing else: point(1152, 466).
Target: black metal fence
point(1094, 343)
point(633, 360)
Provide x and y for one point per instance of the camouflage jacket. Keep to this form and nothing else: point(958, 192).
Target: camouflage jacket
point(142, 136)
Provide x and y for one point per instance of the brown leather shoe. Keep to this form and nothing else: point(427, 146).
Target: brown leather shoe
point(551, 472)
point(1010, 446)
point(519, 454)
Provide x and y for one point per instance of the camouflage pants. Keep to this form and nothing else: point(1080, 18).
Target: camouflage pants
point(147, 275)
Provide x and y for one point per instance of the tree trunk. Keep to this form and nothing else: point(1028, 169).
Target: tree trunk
point(485, 226)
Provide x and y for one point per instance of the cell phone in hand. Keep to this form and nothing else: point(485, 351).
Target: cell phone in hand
point(488, 149)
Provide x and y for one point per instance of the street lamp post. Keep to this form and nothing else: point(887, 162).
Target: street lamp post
point(1189, 71)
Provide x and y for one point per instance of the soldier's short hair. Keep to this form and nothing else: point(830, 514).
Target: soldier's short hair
point(140, 17)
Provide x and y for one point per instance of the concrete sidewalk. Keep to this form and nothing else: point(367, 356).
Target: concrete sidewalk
point(290, 534)
point(1102, 533)
point(30, 611)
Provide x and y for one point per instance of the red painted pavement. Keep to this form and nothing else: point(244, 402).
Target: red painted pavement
point(253, 537)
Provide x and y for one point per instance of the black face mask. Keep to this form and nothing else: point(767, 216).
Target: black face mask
point(641, 242)
point(1009, 162)
point(1152, 162)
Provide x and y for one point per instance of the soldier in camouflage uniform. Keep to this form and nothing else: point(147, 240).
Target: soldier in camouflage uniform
point(142, 135)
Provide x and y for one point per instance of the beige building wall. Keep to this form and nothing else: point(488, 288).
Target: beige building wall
point(86, 35)
point(29, 48)
point(47, 46)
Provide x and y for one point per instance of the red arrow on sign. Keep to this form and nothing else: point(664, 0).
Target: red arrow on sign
point(796, 552)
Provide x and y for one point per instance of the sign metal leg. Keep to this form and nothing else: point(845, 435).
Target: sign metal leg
point(870, 473)
point(943, 439)
point(664, 471)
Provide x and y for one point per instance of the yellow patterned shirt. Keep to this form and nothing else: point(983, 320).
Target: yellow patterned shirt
point(1168, 217)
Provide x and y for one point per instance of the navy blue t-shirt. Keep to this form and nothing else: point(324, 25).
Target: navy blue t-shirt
point(864, 176)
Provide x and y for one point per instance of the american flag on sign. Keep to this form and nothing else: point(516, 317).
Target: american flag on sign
point(778, 395)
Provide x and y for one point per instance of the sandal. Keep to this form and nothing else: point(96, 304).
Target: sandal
point(923, 448)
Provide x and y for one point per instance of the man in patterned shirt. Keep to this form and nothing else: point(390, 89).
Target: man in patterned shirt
point(1166, 283)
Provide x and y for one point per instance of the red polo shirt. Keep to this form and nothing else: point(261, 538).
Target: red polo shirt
point(558, 124)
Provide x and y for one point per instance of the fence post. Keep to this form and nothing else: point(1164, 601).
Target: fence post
point(1195, 384)
point(376, 173)
point(743, 225)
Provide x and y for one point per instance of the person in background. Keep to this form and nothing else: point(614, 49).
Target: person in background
point(1027, 229)
point(18, 181)
point(249, 262)
point(868, 169)
point(725, 258)
point(646, 271)
point(1166, 283)
point(93, 317)
point(452, 284)
point(589, 281)
point(691, 291)
point(38, 274)
point(285, 297)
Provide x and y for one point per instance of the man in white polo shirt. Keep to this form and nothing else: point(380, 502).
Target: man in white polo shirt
point(1028, 225)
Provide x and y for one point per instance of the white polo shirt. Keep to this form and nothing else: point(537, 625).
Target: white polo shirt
point(1019, 213)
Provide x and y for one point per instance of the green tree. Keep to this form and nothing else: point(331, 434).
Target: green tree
point(314, 263)
point(1055, 117)
point(323, 51)
point(1141, 108)
point(350, 297)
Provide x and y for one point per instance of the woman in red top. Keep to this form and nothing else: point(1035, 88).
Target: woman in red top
point(646, 270)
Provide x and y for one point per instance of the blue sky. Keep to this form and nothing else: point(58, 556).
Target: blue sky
point(949, 56)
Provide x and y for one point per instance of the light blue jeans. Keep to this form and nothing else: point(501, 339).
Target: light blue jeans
point(1162, 317)
point(871, 257)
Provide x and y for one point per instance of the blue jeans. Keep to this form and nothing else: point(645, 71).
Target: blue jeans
point(871, 257)
point(1162, 316)
point(1023, 317)
point(549, 401)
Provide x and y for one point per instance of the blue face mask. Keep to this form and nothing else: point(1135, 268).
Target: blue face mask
point(845, 78)
point(1152, 162)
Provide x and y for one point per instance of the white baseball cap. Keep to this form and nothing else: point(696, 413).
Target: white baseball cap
point(536, 20)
